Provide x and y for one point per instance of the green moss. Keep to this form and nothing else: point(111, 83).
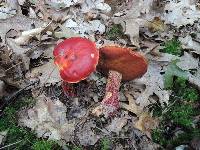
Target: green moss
point(184, 137)
point(180, 114)
point(180, 83)
point(158, 137)
point(173, 46)
point(190, 94)
point(115, 32)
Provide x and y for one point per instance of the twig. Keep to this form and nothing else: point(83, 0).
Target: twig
point(13, 66)
point(10, 144)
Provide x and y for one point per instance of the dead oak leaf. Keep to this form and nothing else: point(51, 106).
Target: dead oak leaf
point(48, 119)
point(179, 13)
point(188, 43)
point(85, 134)
point(19, 23)
point(131, 106)
point(47, 73)
point(146, 123)
point(154, 83)
point(117, 124)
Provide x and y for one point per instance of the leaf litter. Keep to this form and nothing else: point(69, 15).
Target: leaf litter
point(26, 55)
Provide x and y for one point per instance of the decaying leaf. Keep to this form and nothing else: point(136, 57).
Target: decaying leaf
point(65, 33)
point(117, 124)
point(86, 136)
point(2, 72)
point(62, 3)
point(156, 25)
point(130, 22)
point(19, 23)
point(188, 43)
point(90, 5)
point(181, 13)
point(144, 143)
point(146, 123)
point(9, 9)
point(47, 76)
point(48, 119)
point(85, 28)
point(27, 35)
point(154, 83)
point(19, 53)
point(187, 62)
point(131, 106)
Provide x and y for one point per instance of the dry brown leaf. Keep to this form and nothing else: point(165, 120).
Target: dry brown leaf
point(187, 62)
point(156, 25)
point(47, 73)
point(131, 106)
point(154, 84)
point(19, 52)
point(27, 35)
point(188, 43)
point(86, 136)
point(48, 119)
point(117, 124)
point(179, 13)
point(8, 9)
point(131, 19)
point(62, 3)
point(19, 23)
point(146, 123)
point(98, 5)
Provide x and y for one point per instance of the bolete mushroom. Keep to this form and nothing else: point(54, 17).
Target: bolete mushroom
point(119, 63)
point(76, 58)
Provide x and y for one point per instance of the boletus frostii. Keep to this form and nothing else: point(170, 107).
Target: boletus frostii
point(118, 63)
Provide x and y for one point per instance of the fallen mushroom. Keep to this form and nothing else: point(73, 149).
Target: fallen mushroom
point(76, 59)
point(119, 63)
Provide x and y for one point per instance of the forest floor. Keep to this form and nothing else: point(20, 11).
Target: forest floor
point(159, 110)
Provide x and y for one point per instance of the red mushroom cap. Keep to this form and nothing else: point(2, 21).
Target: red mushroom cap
point(76, 58)
point(123, 60)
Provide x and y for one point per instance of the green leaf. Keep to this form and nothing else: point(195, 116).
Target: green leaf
point(173, 70)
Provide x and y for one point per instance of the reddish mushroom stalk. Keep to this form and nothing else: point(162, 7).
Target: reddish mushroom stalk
point(120, 64)
point(111, 98)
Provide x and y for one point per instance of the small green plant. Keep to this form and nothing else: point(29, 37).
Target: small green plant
point(105, 144)
point(173, 46)
point(43, 145)
point(114, 32)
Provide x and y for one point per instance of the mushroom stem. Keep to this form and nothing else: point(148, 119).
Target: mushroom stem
point(68, 89)
point(110, 102)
